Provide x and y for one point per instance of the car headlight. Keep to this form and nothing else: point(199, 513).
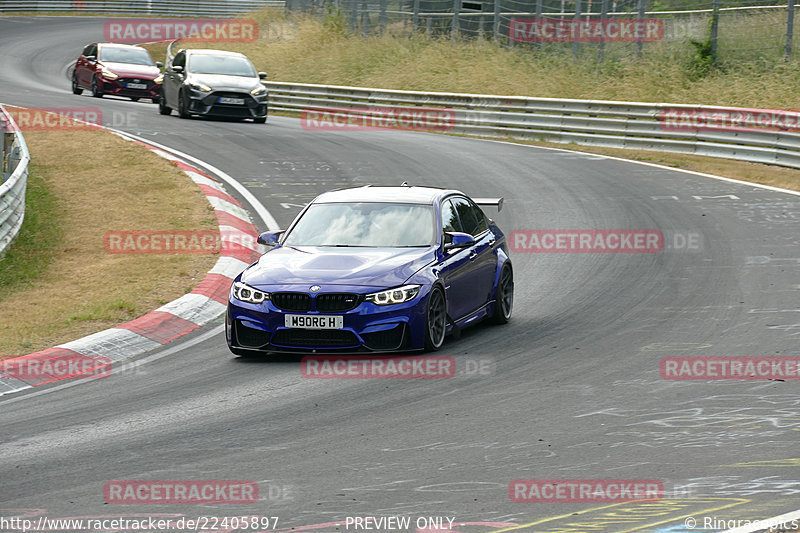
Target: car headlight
point(393, 296)
point(201, 87)
point(259, 91)
point(108, 74)
point(246, 293)
point(159, 78)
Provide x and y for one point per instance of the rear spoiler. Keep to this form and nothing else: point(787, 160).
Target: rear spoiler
point(497, 202)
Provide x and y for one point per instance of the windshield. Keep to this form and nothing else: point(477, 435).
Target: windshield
point(225, 65)
point(136, 56)
point(364, 224)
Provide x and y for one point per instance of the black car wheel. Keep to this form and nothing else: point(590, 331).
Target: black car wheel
point(75, 87)
point(155, 99)
point(504, 302)
point(162, 105)
point(96, 91)
point(437, 320)
point(260, 120)
point(182, 112)
point(134, 98)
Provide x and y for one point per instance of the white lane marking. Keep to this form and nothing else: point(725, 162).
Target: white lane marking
point(654, 165)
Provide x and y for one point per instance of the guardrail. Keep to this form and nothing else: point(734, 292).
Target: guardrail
point(762, 136)
point(139, 8)
point(13, 179)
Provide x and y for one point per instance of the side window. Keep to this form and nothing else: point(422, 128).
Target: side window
point(450, 220)
point(90, 50)
point(179, 60)
point(467, 215)
point(481, 218)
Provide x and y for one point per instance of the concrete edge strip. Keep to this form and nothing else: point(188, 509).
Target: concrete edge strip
point(91, 356)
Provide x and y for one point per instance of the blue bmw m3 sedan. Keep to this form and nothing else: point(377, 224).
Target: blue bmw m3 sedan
point(373, 269)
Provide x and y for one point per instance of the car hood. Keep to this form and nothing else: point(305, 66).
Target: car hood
point(129, 70)
point(219, 82)
point(368, 267)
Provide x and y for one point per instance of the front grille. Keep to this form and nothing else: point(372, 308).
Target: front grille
point(123, 82)
point(336, 302)
point(291, 301)
point(221, 94)
point(229, 111)
point(314, 338)
point(390, 339)
point(250, 337)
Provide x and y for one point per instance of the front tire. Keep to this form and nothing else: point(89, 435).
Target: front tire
point(504, 300)
point(260, 120)
point(182, 112)
point(162, 106)
point(76, 89)
point(96, 91)
point(436, 323)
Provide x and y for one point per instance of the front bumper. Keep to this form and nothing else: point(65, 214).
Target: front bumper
point(120, 87)
point(211, 104)
point(366, 328)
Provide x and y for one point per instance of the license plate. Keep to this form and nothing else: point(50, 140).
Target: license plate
point(226, 100)
point(137, 86)
point(314, 321)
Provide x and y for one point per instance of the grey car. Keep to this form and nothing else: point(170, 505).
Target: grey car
point(213, 83)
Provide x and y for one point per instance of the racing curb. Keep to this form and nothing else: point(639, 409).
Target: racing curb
point(173, 320)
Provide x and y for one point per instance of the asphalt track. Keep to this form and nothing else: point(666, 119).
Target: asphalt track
point(573, 391)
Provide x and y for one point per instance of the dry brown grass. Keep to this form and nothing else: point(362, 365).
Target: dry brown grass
point(310, 51)
point(102, 183)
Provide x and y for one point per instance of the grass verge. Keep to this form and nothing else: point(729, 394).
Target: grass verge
point(303, 49)
point(57, 282)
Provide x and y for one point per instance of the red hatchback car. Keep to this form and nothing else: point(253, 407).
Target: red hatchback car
point(118, 69)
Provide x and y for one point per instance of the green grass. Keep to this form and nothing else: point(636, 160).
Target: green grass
point(36, 245)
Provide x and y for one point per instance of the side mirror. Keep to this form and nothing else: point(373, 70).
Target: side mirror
point(177, 69)
point(270, 238)
point(454, 240)
point(91, 58)
point(262, 75)
point(159, 64)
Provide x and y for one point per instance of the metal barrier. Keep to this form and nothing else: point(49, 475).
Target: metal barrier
point(161, 8)
point(14, 179)
point(762, 136)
